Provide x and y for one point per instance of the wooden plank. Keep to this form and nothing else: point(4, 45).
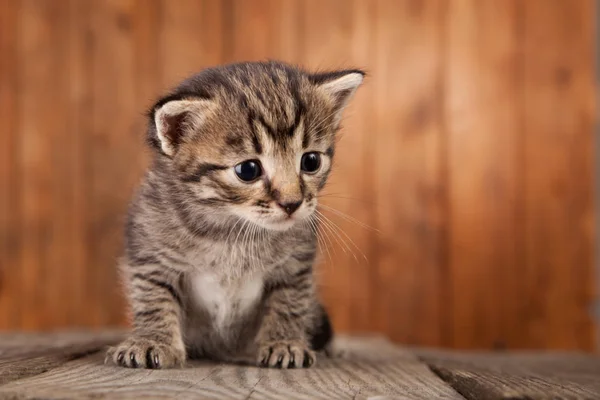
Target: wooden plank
point(372, 367)
point(148, 26)
point(45, 161)
point(263, 29)
point(79, 63)
point(408, 276)
point(26, 355)
point(483, 125)
point(524, 375)
point(9, 179)
point(559, 94)
point(191, 38)
point(114, 153)
point(24, 343)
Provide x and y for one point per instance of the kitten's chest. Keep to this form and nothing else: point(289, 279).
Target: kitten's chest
point(225, 300)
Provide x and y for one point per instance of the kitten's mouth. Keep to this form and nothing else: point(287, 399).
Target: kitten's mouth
point(282, 223)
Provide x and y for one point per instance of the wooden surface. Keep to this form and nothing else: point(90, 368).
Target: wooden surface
point(466, 156)
point(529, 376)
point(71, 366)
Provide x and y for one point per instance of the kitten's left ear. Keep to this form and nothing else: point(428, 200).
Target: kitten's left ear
point(339, 86)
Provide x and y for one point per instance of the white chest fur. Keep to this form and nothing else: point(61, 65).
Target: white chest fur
point(226, 301)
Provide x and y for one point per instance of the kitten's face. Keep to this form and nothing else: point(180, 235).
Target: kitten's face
point(254, 140)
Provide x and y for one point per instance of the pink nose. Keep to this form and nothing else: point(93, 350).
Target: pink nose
point(289, 208)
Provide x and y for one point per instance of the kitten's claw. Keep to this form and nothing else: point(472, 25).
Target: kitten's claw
point(285, 354)
point(137, 352)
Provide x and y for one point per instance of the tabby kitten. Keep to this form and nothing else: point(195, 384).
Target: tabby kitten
point(220, 238)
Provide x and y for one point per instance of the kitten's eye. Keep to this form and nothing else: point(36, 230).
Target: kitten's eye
point(310, 162)
point(248, 171)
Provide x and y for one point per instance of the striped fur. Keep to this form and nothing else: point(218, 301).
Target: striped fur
point(214, 267)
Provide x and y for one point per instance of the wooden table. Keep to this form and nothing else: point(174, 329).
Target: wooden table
point(70, 365)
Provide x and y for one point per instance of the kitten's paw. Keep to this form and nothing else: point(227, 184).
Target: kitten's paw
point(137, 352)
point(286, 354)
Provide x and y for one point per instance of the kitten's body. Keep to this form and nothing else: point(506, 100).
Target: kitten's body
point(213, 268)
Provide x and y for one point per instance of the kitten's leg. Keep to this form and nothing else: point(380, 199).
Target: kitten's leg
point(283, 340)
point(155, 300)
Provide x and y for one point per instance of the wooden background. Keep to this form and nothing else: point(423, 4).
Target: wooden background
point(469, 149)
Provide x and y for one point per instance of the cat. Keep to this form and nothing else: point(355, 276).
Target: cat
point(221, 234)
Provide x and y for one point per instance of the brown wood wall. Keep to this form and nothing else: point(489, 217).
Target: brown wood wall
point(469, 149)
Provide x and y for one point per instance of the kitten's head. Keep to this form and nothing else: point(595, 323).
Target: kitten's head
point(253, 140)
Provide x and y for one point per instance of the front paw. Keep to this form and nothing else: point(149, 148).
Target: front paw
point(137, 352)
point(285, 354)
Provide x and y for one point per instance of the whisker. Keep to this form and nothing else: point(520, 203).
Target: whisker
point(232, 229)
point(340, 240)
point(326, 234)
point(349, 218)
point(239, 232)
point(346, 235)
point(320, 240)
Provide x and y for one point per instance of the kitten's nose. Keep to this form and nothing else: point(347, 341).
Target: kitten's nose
point(290, 207)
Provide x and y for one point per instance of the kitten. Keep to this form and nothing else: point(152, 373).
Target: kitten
point(220, 238)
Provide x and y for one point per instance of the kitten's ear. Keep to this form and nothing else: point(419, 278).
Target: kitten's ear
point(339, 86)
point(176, 119)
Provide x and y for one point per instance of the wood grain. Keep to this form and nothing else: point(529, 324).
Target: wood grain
point(77, 304)
point(22, 356)
point(559, 117)
point(262, 30)
point(408, 159)
point(112, 150)
point(9, 169)
point(518, 375)
point(44, 156)
point(482, 74)
point(372, 367)
point(191, 38)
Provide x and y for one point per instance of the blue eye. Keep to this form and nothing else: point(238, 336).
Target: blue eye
point(248, 171)
point(310, 162)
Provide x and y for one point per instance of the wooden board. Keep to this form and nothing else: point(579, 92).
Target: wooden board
point(483, 130)
point(559, 117)
point(371, 367)
point(68, 365)
point(531, 376)
point(262, 30)
point(408, 175)
point(112, 152)
point(9, 170)
point(25, 355)
point(44, 154)
point(191, 38)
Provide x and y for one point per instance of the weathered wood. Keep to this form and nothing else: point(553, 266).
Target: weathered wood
point(25, 355)
point(528, 376)
point(371, 367)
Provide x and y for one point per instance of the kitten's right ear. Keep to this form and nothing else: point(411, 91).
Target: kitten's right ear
point(339, 86)
point(176, 119)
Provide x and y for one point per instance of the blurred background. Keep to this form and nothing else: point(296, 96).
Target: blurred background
point(466, 158)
